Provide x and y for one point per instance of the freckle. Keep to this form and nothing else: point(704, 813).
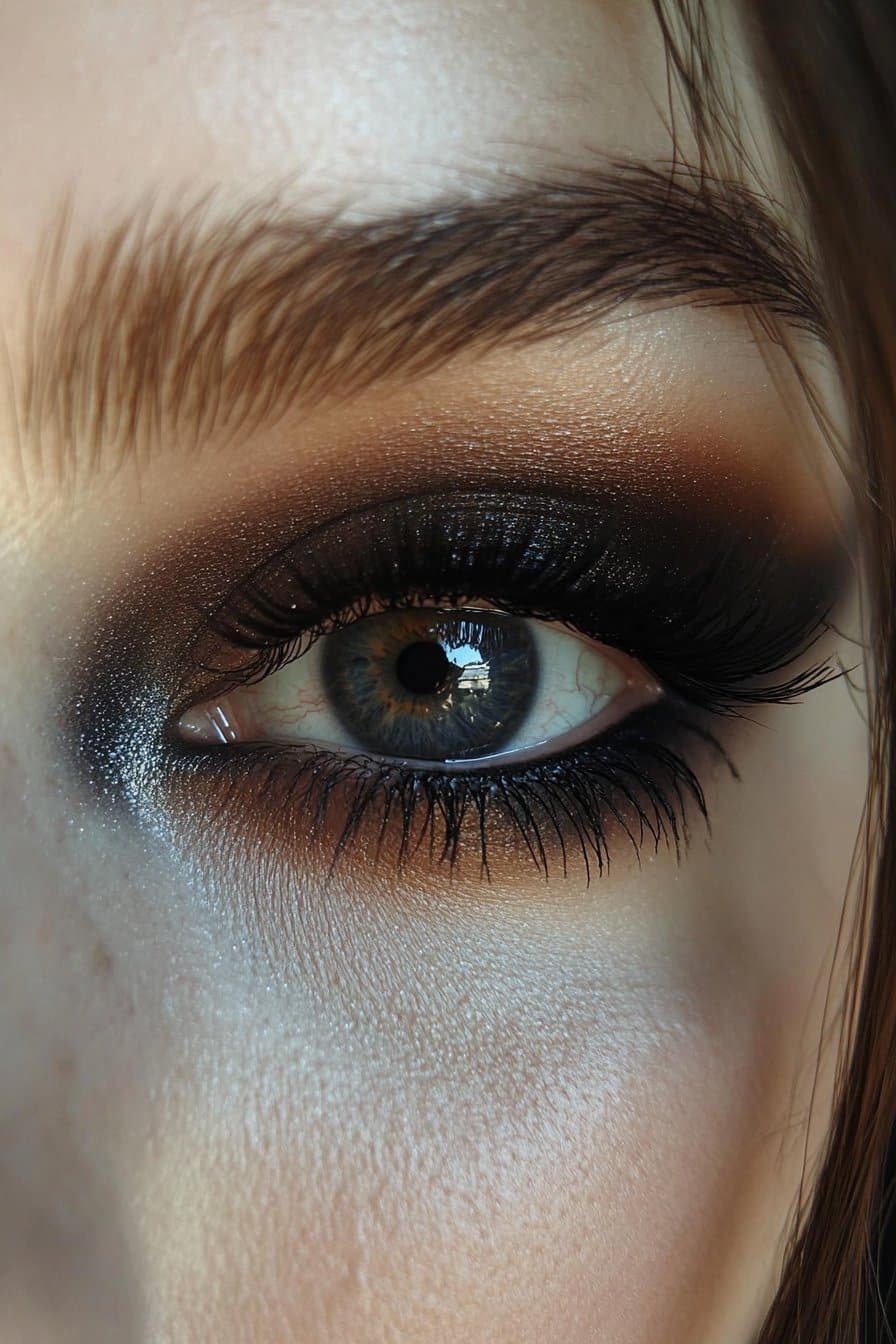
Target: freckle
point(102, 960)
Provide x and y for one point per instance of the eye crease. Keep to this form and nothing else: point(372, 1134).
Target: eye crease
point(457, 688)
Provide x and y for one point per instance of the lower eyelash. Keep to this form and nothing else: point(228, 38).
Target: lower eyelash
point(634, 784)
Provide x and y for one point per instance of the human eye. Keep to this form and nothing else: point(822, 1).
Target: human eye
point(440, 687)
point(446, 677)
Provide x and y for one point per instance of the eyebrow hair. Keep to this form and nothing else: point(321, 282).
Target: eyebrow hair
point(193, 321)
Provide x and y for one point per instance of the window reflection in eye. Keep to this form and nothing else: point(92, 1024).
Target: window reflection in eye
point(458, 687)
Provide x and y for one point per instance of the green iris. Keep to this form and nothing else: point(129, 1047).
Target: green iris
point(430, 685)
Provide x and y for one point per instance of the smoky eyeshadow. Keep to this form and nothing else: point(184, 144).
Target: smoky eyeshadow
point(628, 567)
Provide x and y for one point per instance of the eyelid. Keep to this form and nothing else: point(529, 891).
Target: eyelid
point(726, 605)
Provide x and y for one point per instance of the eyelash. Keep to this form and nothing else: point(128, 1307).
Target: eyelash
point(699, 627)
point(571, 798)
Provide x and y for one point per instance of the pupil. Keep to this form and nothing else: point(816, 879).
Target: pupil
point(422, 668)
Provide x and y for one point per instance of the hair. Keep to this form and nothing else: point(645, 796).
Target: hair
point(827, 69)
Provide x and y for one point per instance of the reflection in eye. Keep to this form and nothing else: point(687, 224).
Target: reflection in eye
point(436, 686)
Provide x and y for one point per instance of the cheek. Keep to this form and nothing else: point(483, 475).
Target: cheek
point(65, 1265)
point(544, 1158)
point(507, 1116)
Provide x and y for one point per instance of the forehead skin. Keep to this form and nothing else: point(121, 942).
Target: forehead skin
point(384, 104)
point(537, 1122)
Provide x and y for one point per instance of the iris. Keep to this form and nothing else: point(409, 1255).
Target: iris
point(432, 685)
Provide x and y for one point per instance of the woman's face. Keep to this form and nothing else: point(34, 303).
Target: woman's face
point(319, 1022)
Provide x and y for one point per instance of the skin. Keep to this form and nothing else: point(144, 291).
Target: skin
point(416, 1109)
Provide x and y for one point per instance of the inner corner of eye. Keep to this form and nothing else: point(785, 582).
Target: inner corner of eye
point(209, 723)
point(449, 687)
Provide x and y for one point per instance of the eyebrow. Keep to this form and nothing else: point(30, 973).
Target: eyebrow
point(188, 322)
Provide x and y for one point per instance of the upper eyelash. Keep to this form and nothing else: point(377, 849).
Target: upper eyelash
point(746, 645)
point(730, 699)
point(275, 646)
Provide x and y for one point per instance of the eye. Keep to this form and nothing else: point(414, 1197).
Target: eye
point(452, 688)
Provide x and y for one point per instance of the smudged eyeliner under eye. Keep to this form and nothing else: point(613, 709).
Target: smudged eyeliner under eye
point(717, 617)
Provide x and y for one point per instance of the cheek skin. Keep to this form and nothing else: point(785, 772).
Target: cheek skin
point(65, 1267)
point(503, 1160)
point(531, 1119)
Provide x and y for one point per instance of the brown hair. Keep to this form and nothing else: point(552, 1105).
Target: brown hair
point(828, 70)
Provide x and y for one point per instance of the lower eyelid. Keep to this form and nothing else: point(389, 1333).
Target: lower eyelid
point(566, 815)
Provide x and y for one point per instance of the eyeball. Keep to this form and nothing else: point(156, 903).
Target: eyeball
point(445, 688)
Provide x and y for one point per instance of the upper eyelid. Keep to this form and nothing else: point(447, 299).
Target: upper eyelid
point(761, 635)
point(195, 321)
